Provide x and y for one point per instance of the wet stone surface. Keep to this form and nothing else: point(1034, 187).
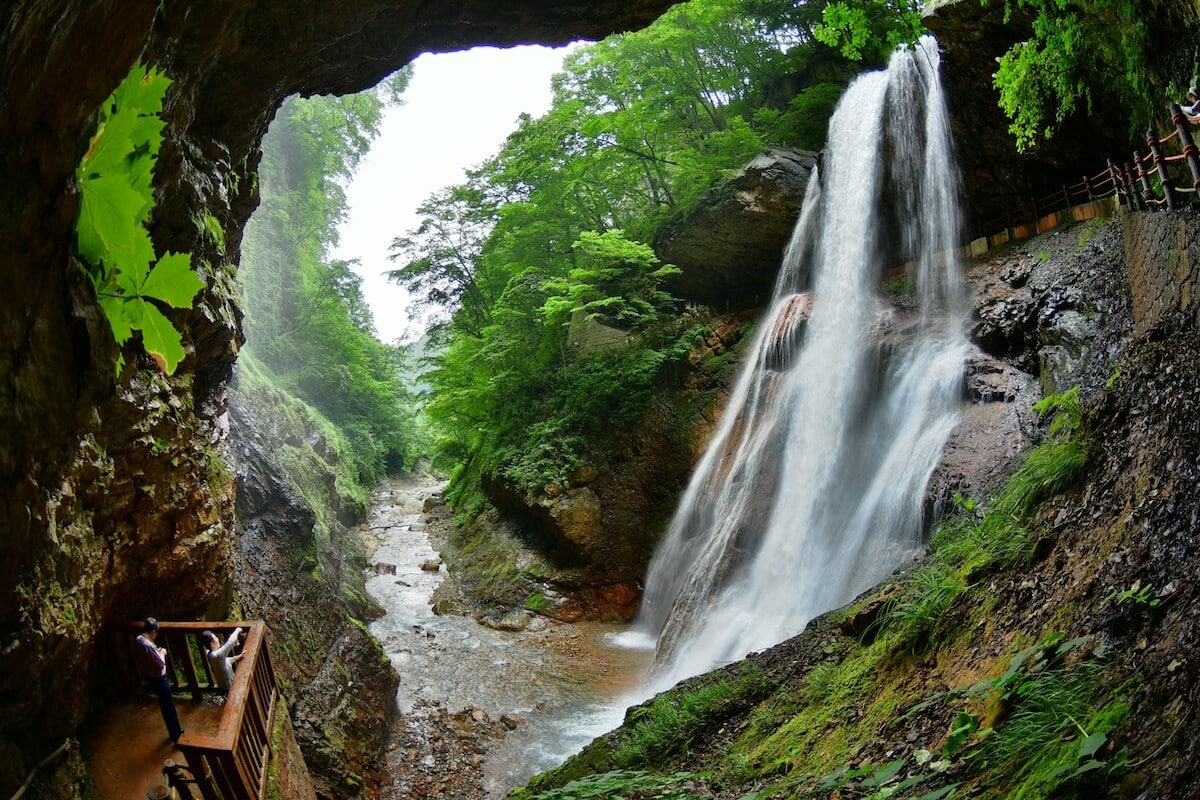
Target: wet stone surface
point(481, 710)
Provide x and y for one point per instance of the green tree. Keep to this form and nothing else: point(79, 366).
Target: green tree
point(869, 29)
point(615, 280)
point(306, 317)
point(442, 258)
point(1088, 56)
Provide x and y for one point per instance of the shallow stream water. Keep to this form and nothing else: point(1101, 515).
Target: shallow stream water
point(568, 683)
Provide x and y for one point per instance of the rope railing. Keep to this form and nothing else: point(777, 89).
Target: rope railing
point(1143, 183)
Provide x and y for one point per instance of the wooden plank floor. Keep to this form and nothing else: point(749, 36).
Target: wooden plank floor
point(125, 744)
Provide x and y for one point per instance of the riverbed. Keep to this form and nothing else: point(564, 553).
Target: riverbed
point(482, 710)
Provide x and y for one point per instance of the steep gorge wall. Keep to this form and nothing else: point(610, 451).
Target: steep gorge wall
point(116, 500)
point(300, 569)
point(830, 699)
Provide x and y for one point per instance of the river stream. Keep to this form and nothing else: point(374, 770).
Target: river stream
point(557, 687)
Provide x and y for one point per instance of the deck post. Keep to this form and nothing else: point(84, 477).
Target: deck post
point(176, 780)
point(1118, 183)
point(1136, 201)
point(1160, 164)
point(1143, 178)
point(1185, 139)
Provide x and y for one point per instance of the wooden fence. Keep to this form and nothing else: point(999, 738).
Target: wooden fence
point(232, 764)
point(1148, 181)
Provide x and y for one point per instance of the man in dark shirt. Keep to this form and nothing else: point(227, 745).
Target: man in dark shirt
point(152, 661)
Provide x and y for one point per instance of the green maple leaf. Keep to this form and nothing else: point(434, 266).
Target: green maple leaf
point(159, 337)
point(173, 281)
point(117, 198)
point(142, 89)
point(130, 265)
point(114, 309)
point(110, 147)
point(107, 215)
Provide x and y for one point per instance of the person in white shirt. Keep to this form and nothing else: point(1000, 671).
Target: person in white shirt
point(219, 656)
point(1192, 107)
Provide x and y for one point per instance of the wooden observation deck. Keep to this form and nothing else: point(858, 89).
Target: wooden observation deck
point(225, 748)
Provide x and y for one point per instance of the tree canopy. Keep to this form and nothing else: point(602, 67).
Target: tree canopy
point(550, 235)
point(1082, 53)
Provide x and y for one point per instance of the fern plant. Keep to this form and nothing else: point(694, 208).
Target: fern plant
point(113, 243)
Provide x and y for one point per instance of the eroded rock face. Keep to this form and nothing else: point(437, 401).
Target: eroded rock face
point(729, 248)
point(1049, 314)
point(301, 570)
point(115, 500)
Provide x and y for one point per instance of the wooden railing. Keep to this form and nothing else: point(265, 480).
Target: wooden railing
point(231, 764)
point(1143, 183)
point(1031, 212)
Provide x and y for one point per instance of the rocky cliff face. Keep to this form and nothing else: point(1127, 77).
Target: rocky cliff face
point(1106, 570)
point(582, 547)
point(300, 569)
point(115, 498)
point(728, 250)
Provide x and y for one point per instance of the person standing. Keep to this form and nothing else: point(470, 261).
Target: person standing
point(152, 662)
point(220, 658)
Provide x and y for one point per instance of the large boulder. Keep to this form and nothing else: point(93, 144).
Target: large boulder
point(729, 248)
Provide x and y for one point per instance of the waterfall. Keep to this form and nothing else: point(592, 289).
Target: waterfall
point(812, 488)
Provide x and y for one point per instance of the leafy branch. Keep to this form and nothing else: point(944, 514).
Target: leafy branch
point(113, 242)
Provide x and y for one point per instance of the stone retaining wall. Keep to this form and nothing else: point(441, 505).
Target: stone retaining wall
point(1162, 251)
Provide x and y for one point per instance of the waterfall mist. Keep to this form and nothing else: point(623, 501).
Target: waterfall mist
point(812, 488)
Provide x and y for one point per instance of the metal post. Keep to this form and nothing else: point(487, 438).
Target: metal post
point(1185, 139)
point(1136, 201)
point(1161, 164)
point(1144, 179)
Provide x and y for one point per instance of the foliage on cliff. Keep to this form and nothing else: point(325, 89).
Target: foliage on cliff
point(1096, 57)
point(1038, 651)
point(115, 206)
point(306, 319)
point(641, 125)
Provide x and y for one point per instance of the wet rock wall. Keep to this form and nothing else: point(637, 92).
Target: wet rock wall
point(115, 498)
point(1162, 254)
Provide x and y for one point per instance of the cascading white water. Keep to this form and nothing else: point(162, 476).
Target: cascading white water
point(812, 488)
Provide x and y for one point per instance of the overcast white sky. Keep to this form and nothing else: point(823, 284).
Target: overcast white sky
point(458, 110)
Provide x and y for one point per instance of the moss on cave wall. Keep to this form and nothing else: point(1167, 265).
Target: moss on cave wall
point(114, 501)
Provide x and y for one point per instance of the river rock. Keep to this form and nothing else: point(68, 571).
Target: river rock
point(515, 621)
